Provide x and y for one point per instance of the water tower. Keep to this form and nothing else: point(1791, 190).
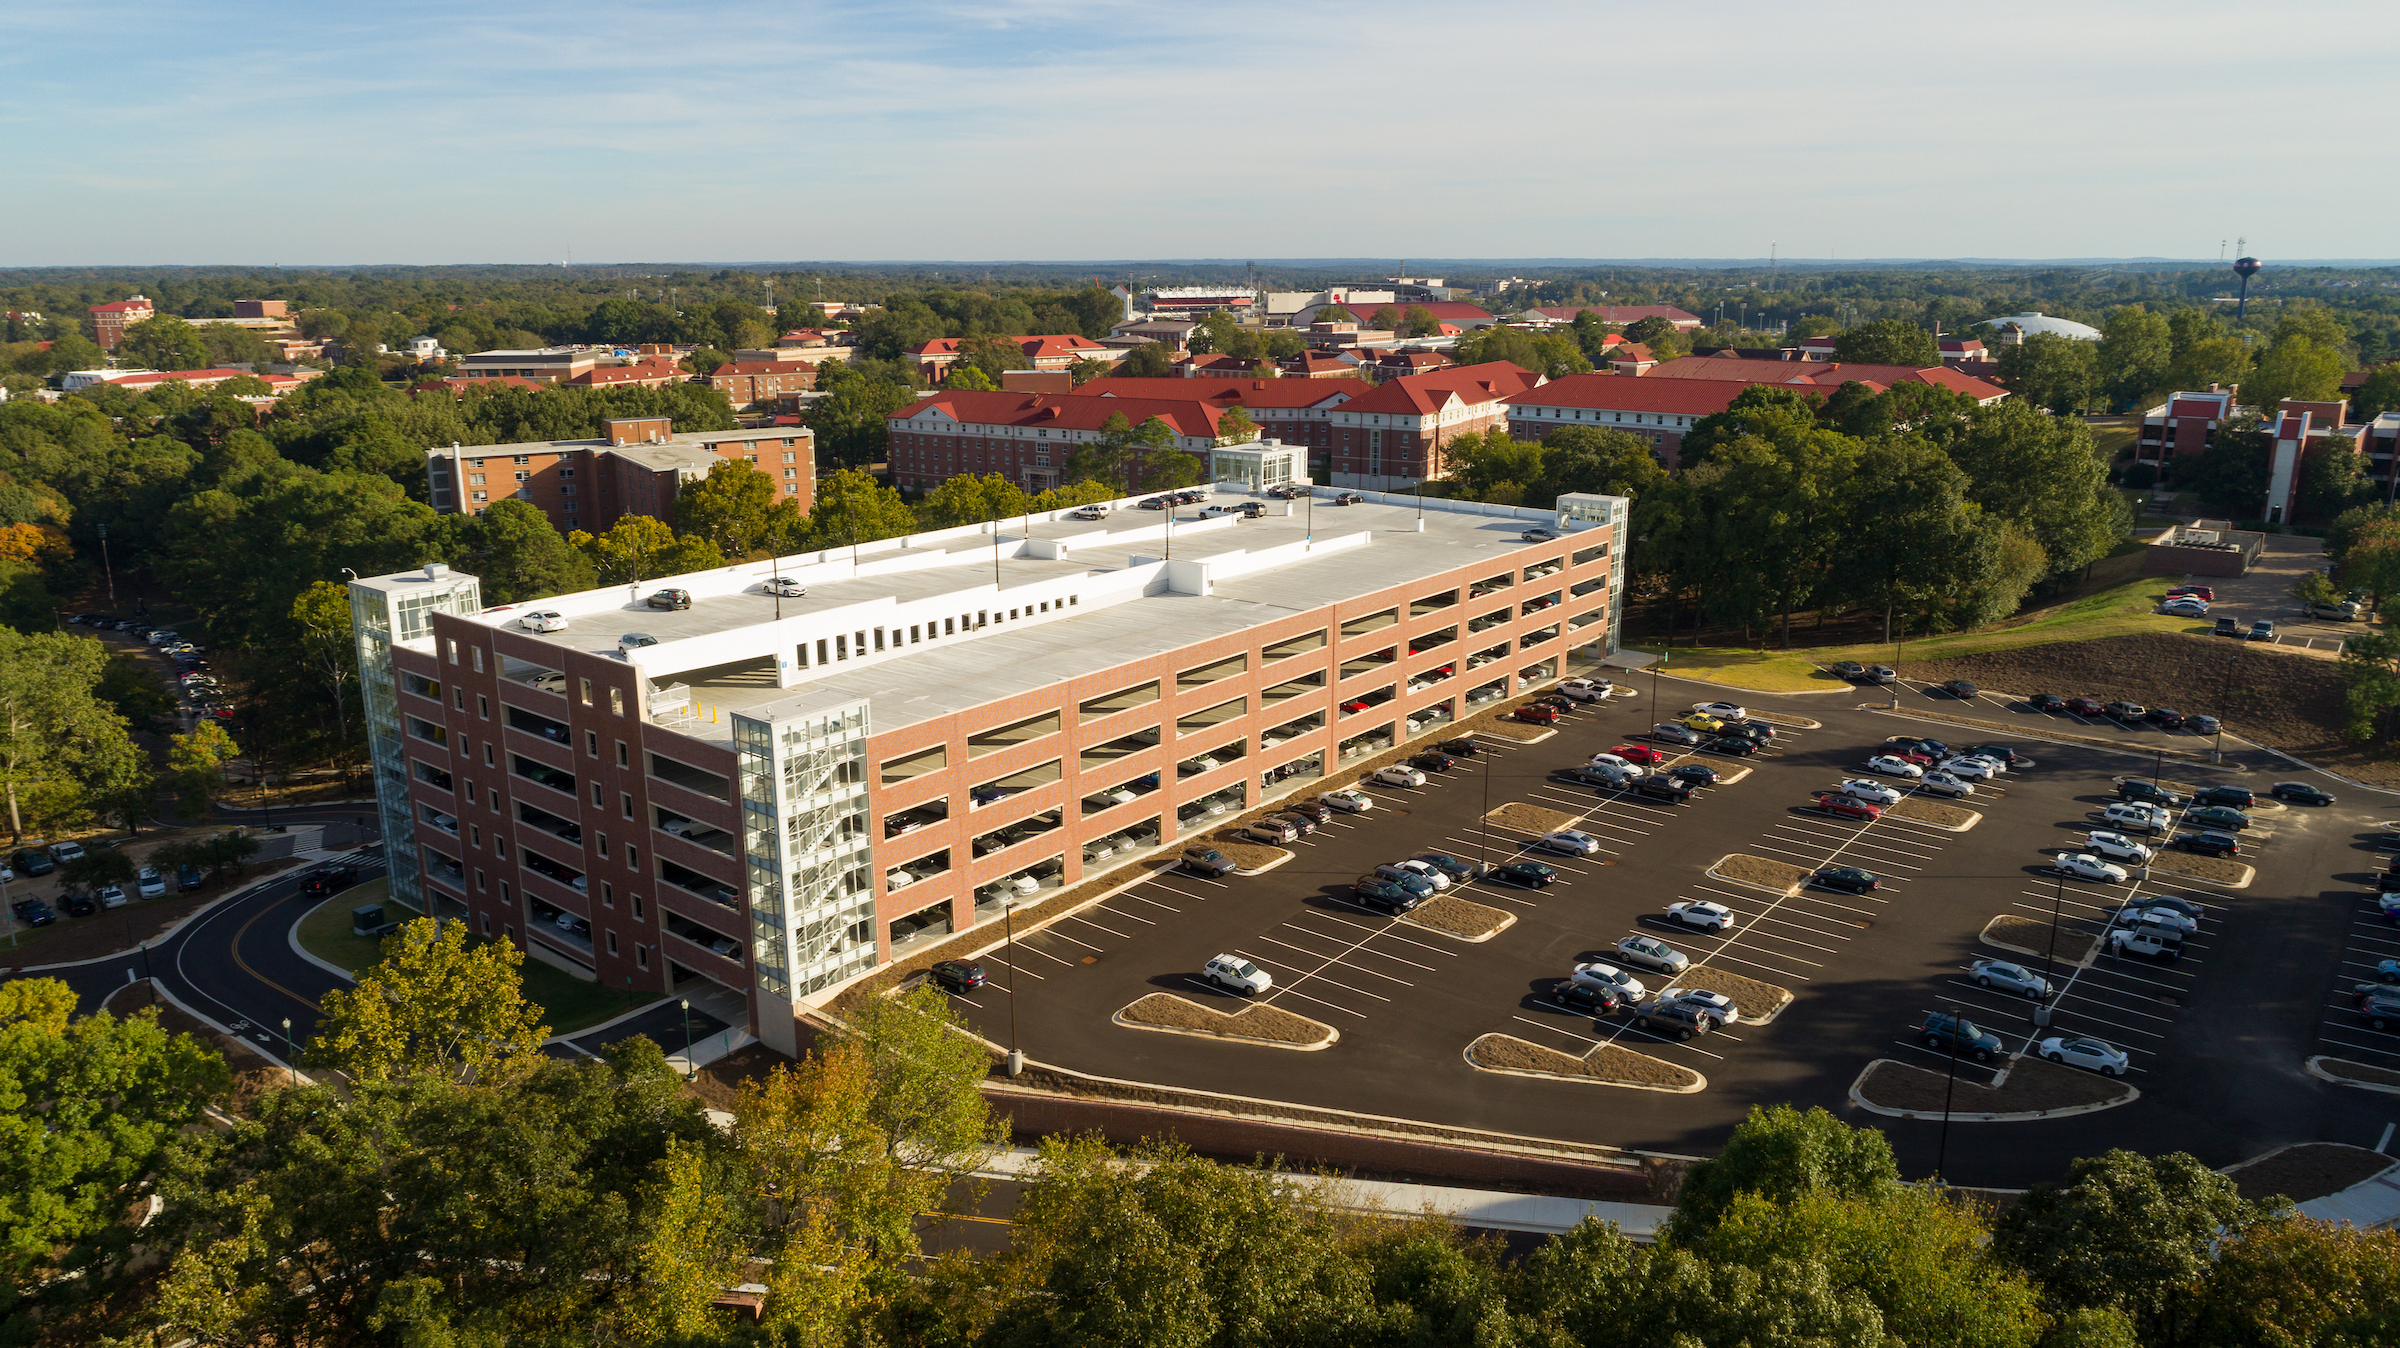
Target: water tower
point(2244, 267)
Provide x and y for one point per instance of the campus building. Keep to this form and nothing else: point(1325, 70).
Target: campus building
point(110, 320)
point(634, 468)
point(1657, 410)
point(762, 797)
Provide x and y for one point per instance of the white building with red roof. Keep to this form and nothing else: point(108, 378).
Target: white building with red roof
point(1659, 411)
point(110, 320)
point(1559, 316)
point(1295, 411)
point(1056, 351)
point(1392, 438)
point(1027, 437)
point(1825, 374)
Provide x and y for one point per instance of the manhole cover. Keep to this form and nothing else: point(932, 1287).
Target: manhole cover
point(1091, 959)
point(1862, 924)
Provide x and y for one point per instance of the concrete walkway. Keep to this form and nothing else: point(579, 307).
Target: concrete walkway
point(1491, 1208)
point(2369, 1205)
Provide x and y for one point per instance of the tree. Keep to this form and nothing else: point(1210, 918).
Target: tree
point(2370, 665)
point(993, 356)
point(2292, 1281)
point(2202, 353)
point(60, 747)
point(74, 351)
point(196, 768)
point(2294, 367)
point(164, 343)
point(1597, 461)
point(967, 378)
point(1782, 1154)
point(2052, 372)
point(1547, 354)
point(134, 693)
point(853, 508)
point(88, 1106)
point(1335, 313)
point(1889, 341)
point(2126, 1232)
point(705, 360)
point(517, 554)
point(972, 499)
point(2332, 479)
point(1133, 458)
point(2136, 350)
point(2231, 474)
point(639, 547)
point(737, 509)
point(2381, 391)
point(853, 421)
point(1492, 466)
point(1420, 322)
point(1088, 369)
point(1151, 360)
point(434, 1005)
point(2043, 475)
point(322, 613)
point(1235, 427)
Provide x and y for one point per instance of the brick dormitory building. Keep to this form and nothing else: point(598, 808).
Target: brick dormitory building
point(634, 468)
point(754, 800)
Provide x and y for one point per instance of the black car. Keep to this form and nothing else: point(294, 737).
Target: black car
point(2210, 843)
point(1946, 1033)
point(1451, 866)
point(670, 599)
point(2300, 793)
point(1880, 674)
point(1310, 811)
point(2134, 788)
point(79, 904)
point(1850, 669)
point(33, 861)
point(33, 912)
point(2239, 797)
point(1672, 790)
point(2219, 817)
point(1698, 774)
point(2227, 627)
point(1383, 896)
point(1960, 689)
point(1757, 732)
point(957, 975)
point(1348, 498)
point(1849, 879)
point(2002, 753)
point(2165, 718)
point(1734, 745)
point(1531, 874)
point(1915, 744)
point(2046, 702)
point(1595, 774)
point(328, 880)
point(2203, 725)
point(1154, 503)
point(1589, 998)
point(1433, 762)
point(1463, 748)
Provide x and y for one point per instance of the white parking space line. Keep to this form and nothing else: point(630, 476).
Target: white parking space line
point(1078, 917)
point(1363, 950)
point(1028, 946)
point(1282, 989)
point(1119, 912)
point(1331, 962)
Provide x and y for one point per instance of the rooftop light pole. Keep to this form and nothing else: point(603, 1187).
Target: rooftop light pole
point(1008, 919)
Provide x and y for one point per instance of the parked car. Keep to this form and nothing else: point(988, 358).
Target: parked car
point(1314, 812)
point(1591, 999)
point(32, 861)
point(33, 912)
point(2085, 866)
point(1526, 874)
point(2226, 627)
point(1649, 952)
point(1953, 1034)
point(1585, 690)
point(1757, 732)
point(1608, 976)
point(1943, 782)
point(2116, 847)
point(543, 620)
point(1641, 754)
point(957, 975)
point(2299, 793)
point(1698, 774)
point(631, 641)
point(2237, 797)
point(1206, 861)
point(2046, 702)
point(1874, 792)
point(1849, 879)
point(64, 852)
point(2262, 630)
point(2125, 713)
point(2140, 914)
point(1534, 713)
point(1270, 831)
point(2095, 1055)
point(1398, 774)
point(2210, 843)
point(2148, 942)
point(1464, 747)
point(1678, 1020)
point(2189, 607)
point(1235, 974)
point(1624, 765)
point(670, 598)
point(2136, 788)
point(1700, 915)
point(2085, 706)
point(2165, 718)
point(1417, 870)
point(1348, 802)
point(112, 896)
point(1673, 790)
point(1541, 534)
point(1848, 807)
point(1431, 761)
point(1723, 711)
point(2339, 613)
point(1850, 670)
point(149, 883)
point(1960, 689)
point(1881, 674)
point(2218, 817)
point(187, 878)
point(1702, 721)
point(1384, 896)
point(1732, 746)
point(1454, 867)
point(1892, 765)
point(1568, 842)
point(784, 587)
point(1916, 744)
point(2009, 977)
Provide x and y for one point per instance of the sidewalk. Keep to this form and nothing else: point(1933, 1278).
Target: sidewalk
point(2369, 1205)
point(1467, 1207)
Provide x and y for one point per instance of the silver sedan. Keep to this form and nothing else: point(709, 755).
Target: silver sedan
point(2009, 977)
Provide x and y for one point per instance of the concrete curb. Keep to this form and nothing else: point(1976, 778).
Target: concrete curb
point(1694, 1089)
point(2249, 873)
point(220, 1027)
point(1784, 893)
point(2194, 757)
point(2086, 962)
point(1974, 817)
point(291, 937)
point(1332, 1035)
point(2315, 1068)
point(1785, 719)
point(1858, 1098)
point(1262, 870)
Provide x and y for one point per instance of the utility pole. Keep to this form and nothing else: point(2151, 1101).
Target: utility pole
point(1008, 919)
point(104, 566)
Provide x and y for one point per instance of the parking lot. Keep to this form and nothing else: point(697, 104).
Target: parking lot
point(2215, 1039)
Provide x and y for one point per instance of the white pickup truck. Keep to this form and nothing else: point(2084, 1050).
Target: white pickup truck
point(2148, 942)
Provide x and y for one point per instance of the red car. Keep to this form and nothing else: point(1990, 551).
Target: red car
point(1922, 760)
point(2084, 706)
point(1843, 807)
point(1639, 753)
point(1358, 706)
point(2202, 592)
point(1538, 714)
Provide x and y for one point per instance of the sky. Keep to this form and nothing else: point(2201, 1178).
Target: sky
point(596, 131)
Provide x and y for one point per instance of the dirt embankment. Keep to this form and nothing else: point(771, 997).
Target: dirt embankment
point(2032, 1086)
point(1607, 1064)
point(1458, 917)
point(2289, 702)
point(1265, 1024)
point(1777, 877)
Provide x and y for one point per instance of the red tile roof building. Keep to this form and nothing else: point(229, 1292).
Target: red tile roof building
point(647, 374)
point(1295, 411)
point(1055, 352)
point(633, 468)
point(1391, 438)
point(1825, 374)
point(1560, 315)
point(1656, 410)
point(1027, 437)
point(109, 321)
point(749, 382)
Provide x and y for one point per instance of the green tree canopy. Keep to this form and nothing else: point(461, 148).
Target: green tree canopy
point(853, 508)
point(62, 750)
point(435, 1005)
point(2058, 373)
point(737, 510)
point(2125, 1232)
point(2137, 348)
point(1888, 341)
point(2294, 367)
point(853, 421)
point(514, 550)
point(2043, 475)
point(164, 343)
point(196, 767)
point(970, 498)
point(640, 547)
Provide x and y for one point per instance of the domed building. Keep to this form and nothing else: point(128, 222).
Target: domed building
point(2029, 324)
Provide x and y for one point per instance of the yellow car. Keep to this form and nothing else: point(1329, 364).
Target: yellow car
point(1701, 720)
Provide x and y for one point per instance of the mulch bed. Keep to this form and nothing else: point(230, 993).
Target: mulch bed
point(2217, 870)
point(1778, 718)
point(2031, 936)
point(720, 1083)
point(1510, 728)
point(1266, 1024)
point(1529, 818)
point(2032, 1085)
point(1243, 853)
point(2288, 702)
point(1457, 916)
point(2310, 1170)
point(1607, 1064)
point(1776, 876)
point(1757, 1000)
point(1928, 812)
point(2359, 1071)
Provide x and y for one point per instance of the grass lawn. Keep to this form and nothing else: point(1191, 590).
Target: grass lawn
point(2113, 440)
point(568, 1003)
point(2113, 612)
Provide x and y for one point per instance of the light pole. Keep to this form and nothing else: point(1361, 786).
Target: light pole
point(290, 1059)
point(2058, 899)
point(1941, 1155)
point(2216, 754)
point(1008, 922)
point(689, 1071)
point(12, 912)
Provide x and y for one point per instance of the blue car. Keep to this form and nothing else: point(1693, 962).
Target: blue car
point(187, 877)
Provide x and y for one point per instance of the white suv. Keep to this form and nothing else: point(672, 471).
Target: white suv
point(1236, 974)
